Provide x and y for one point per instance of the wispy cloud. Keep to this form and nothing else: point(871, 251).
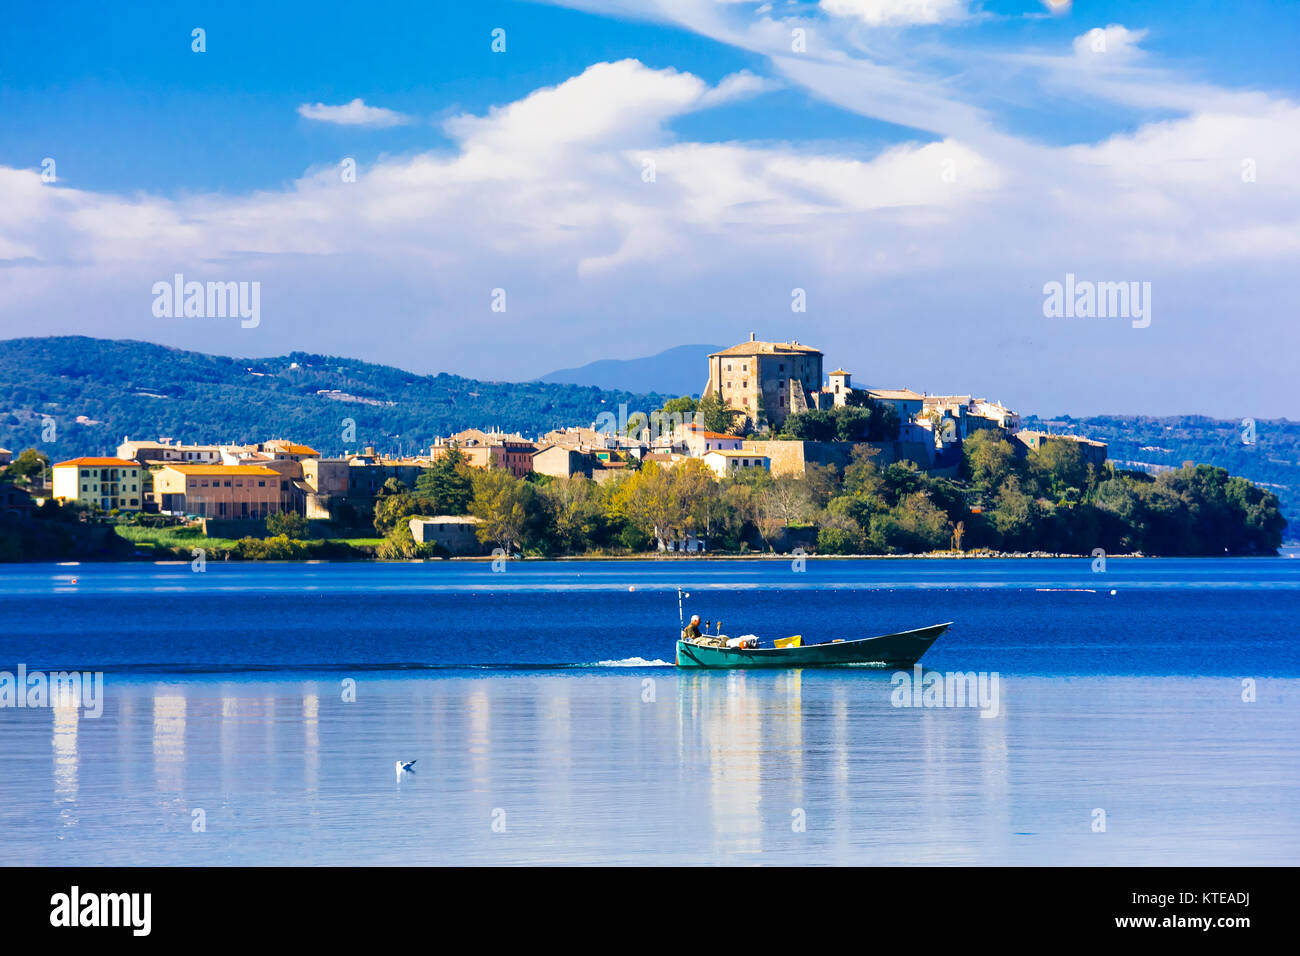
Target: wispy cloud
point(895, 12)
point(355, 113)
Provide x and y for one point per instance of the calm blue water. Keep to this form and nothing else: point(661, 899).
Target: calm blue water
point(525, 698)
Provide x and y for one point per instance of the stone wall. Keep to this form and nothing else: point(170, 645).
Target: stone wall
point(793, 457)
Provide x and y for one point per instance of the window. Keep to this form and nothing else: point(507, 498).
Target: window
point(227, 482)
point(261, 484)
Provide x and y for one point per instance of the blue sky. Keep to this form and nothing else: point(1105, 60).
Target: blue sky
point(921, 168)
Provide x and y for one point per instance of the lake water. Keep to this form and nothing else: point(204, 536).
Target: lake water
point(548, 726)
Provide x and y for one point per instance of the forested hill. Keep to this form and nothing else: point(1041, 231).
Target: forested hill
point(1263, 451)
point(98, 390)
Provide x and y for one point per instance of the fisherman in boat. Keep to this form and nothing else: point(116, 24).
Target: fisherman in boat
point(692, 631)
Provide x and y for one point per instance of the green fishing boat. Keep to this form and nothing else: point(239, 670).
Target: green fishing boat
point(888, 650)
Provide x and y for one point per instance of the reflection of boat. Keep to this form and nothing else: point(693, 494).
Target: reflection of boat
point(888, 650)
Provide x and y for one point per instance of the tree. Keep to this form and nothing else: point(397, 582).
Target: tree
point(988, 459)
point(503, 504)
point(680, 406)
point(885, 423)
point(288, 523)
point(573, 506)
point(1060, 465)
point(787, 500)
point(28, 464)
point(448, 485)
point(852, 424)
point(659, 502)
point(861, 476)
point(399, 544)
point(713, 416)
point(695, 490)
point(1014, 516)
point(392, 510)
point(813, 425)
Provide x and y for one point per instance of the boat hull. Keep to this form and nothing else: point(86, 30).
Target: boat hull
point(888, 650)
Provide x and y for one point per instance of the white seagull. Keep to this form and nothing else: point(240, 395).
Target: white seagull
point(404, 766)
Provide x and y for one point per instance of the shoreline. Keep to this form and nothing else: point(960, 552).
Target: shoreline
point(780, 558)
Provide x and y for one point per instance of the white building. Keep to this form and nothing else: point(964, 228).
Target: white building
point(725, 463)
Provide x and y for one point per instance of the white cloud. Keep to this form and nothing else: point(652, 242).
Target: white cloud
point(1111, 44)
point(737, 86)
point(356, 113)
point(893, 12)
point(547, 197)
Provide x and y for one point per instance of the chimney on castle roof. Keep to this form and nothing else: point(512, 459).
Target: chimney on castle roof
point(751, 336)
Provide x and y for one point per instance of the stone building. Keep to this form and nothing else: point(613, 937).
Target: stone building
point(489, 449)
point(1094, 452)
point(766, 380)
point(563, 461)
point(457, 533)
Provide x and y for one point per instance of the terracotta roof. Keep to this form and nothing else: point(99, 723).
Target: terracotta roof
point(222, 471)
point(768, 348)
point(839, 371)
point(99, 463)
point(895, 393)
point(704, 434)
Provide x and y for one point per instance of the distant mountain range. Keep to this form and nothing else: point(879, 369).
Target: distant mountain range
point(679, 371)
point(95, 391)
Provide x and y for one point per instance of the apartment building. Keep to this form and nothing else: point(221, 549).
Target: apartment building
point(106, 483)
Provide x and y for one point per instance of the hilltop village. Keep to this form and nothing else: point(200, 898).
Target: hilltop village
point(775, 455)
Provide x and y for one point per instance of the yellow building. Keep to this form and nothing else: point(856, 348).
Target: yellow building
point(105, 482)
point(221, 491)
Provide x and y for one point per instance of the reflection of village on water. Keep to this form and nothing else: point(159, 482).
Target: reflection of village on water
point(736, 766)
point(856, 756)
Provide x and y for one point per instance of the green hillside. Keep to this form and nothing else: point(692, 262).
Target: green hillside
point(1140, 442)
point(145, 391)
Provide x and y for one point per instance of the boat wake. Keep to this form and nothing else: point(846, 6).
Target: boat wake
point(630, 662)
